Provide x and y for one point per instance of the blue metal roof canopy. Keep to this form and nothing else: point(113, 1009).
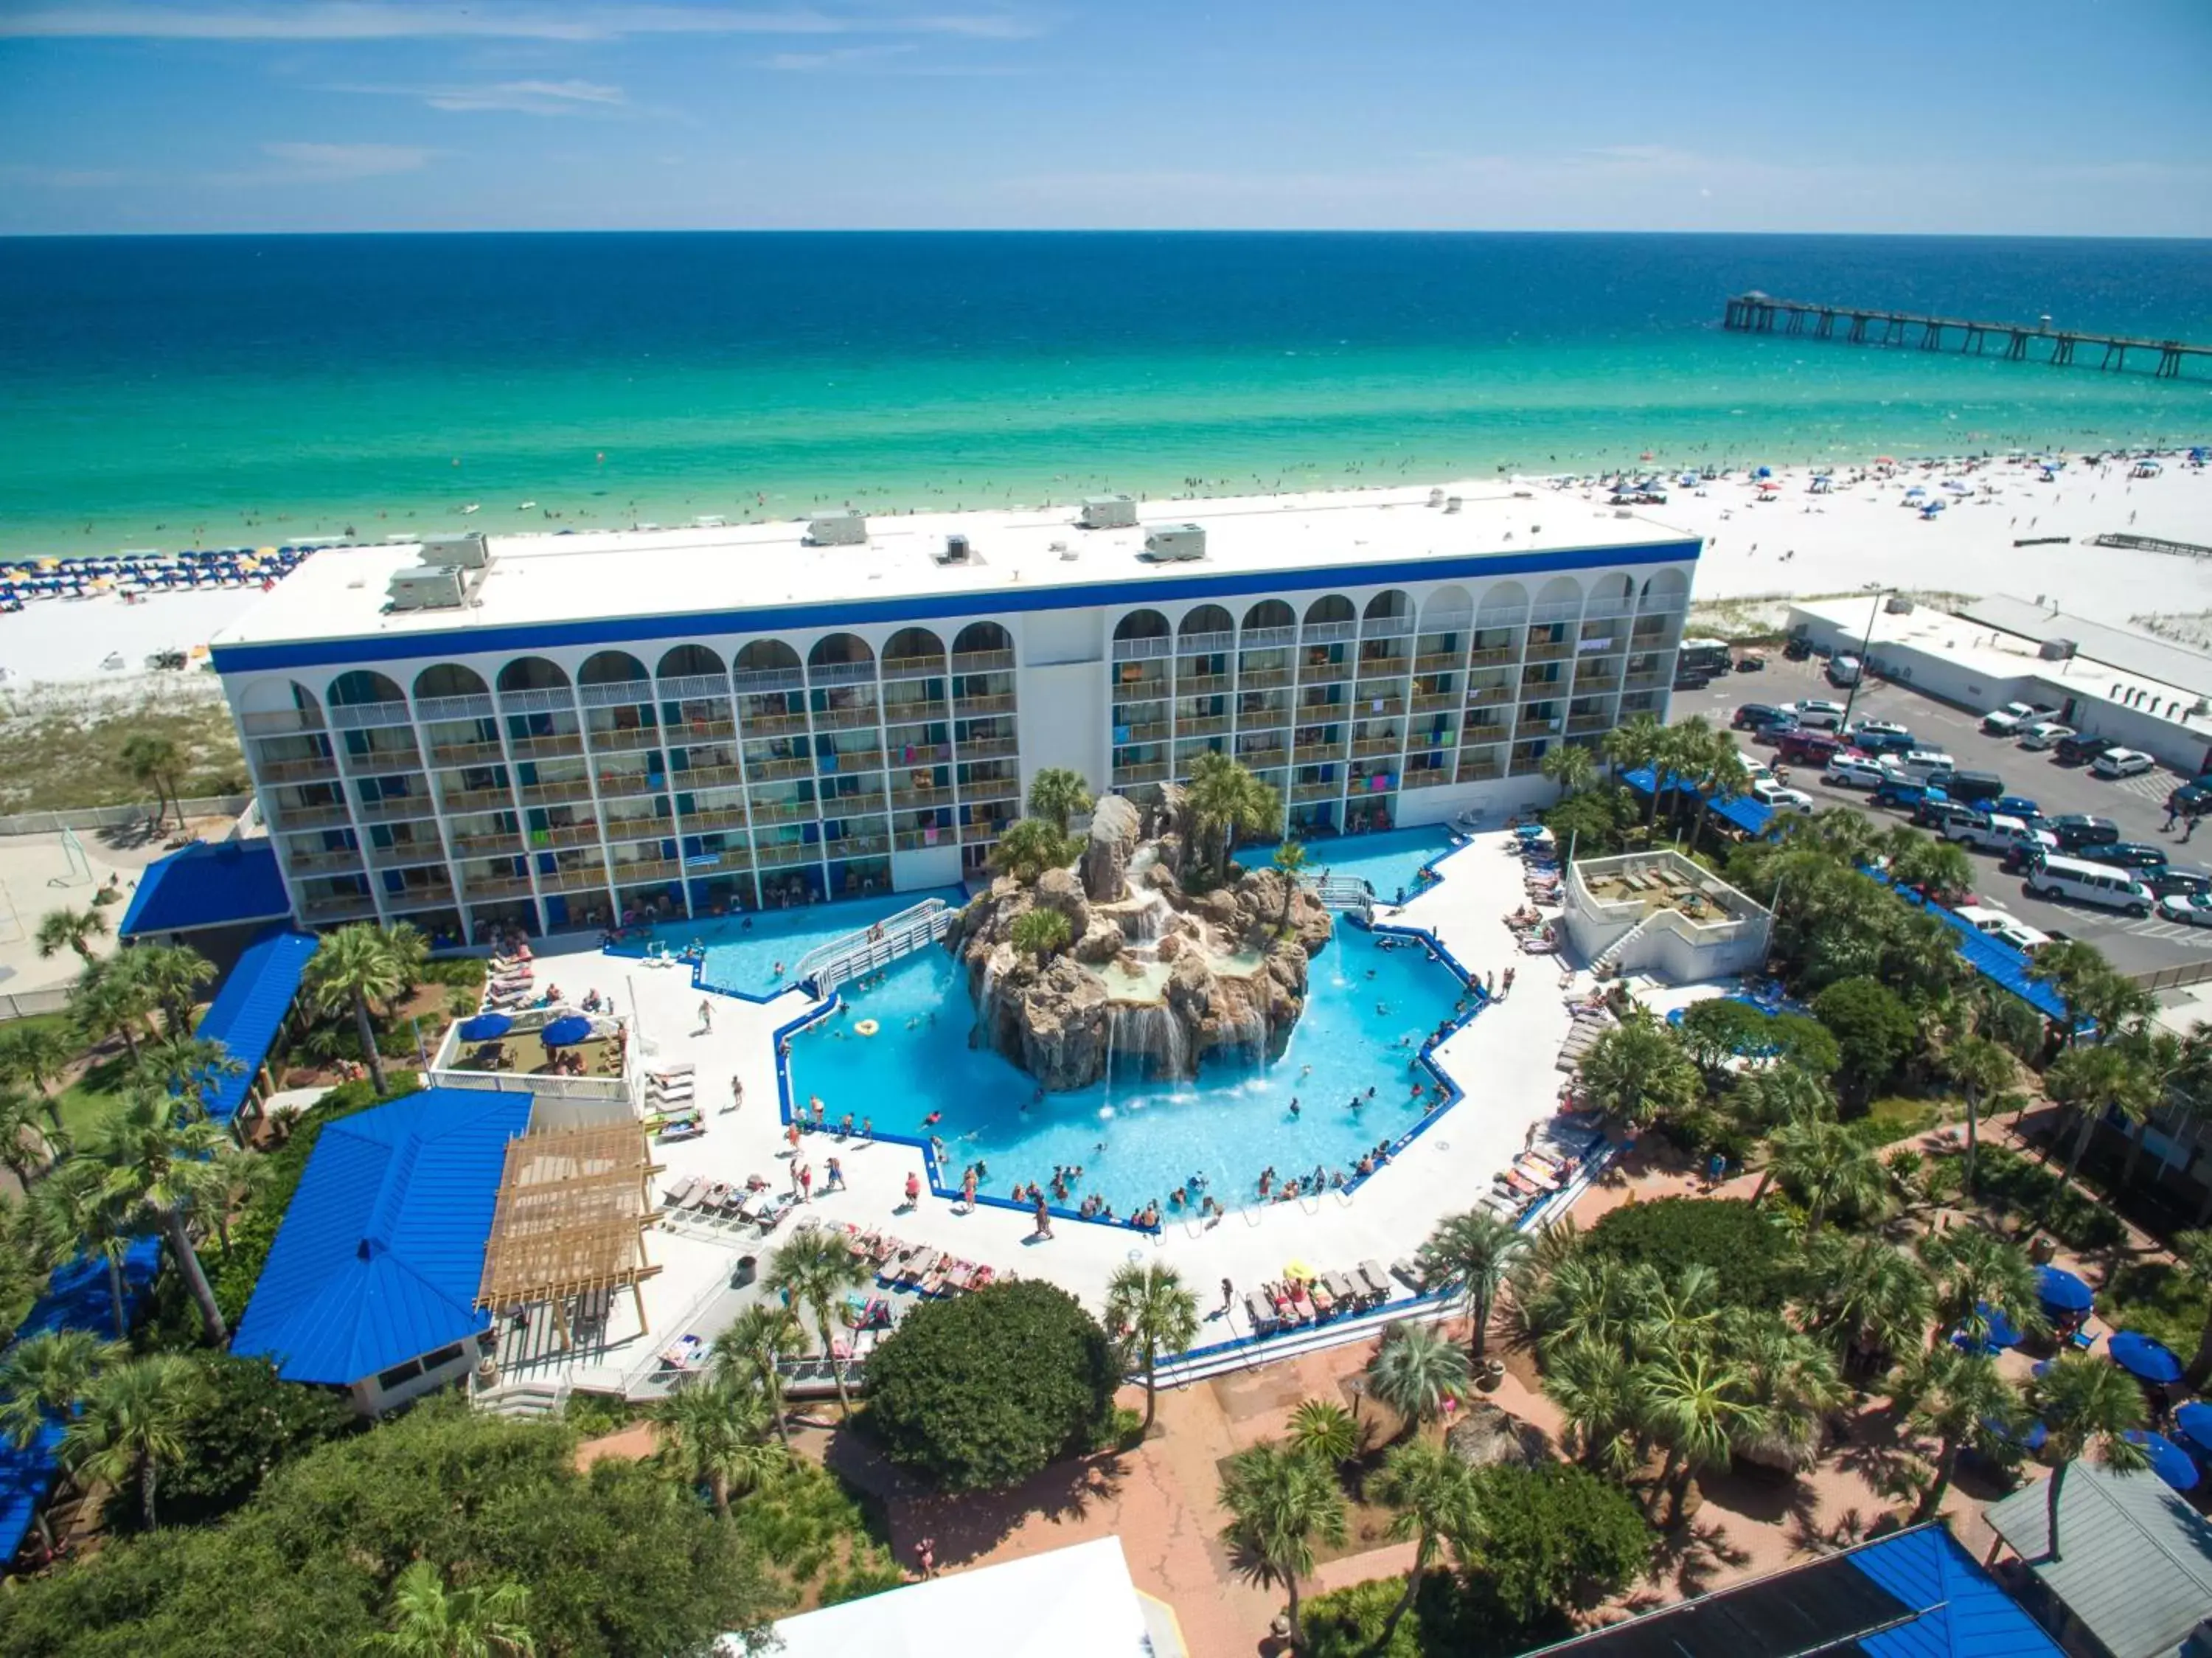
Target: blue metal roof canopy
point(1994, 960)
point(381, 1254)
point(1746, 813)
point(249, 1010)
point(208, 884)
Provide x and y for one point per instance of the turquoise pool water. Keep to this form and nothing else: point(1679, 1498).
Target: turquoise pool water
point(1387, 861)
point(1368, 1013)
point(743, 952)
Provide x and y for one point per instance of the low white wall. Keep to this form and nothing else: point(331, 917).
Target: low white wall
point(930, 866)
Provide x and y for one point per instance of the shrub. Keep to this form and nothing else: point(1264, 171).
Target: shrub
point(806, 1525)
point(1737, 1242)
point(1345, 1622)
point(978, 1392)
point(1553, 1536)
point(2018, 1183)
point(252, 1424)
point(1874, 1032)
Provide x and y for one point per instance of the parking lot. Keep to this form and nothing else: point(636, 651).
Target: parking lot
point(2136, 803)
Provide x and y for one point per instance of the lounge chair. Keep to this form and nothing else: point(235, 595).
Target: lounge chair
point(918, 1266)
point(680, 1194)
point(771, 1215)
point(1403, 1269)
point(1343, 1288)
point(1378, 1282)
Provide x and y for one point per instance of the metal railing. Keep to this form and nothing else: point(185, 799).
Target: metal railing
point(828, 965)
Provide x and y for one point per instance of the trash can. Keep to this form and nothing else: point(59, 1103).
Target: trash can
point(747, 1264)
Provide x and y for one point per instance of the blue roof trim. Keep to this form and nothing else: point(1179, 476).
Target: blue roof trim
point(1994, 960)
point(380, 1255)
point(1963, 1611)
point(208, 884)
point(76, 1298)
point(249, 1010)
point(1747, 814)
point(539, 635)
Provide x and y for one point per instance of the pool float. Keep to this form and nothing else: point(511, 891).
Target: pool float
point(866, 1027)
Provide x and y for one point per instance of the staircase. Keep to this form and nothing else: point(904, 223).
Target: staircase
point(1610, 954)
point(522, 1399)
point(828, 965)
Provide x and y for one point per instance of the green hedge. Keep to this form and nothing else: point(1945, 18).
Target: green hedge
point(1726, 1234)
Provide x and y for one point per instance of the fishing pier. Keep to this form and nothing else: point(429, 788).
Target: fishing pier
point(1758, 314)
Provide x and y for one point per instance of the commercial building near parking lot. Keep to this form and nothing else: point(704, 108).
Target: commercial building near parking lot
point(2136, 691)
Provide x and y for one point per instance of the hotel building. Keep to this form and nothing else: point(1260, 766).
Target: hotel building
point(555, 731)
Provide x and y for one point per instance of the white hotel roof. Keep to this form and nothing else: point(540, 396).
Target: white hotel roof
point(607, 574)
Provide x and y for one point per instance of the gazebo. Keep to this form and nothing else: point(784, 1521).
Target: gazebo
point(568, 1230)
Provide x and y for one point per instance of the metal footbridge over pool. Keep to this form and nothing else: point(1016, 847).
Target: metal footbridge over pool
point(878, 945)
point(1340, 892)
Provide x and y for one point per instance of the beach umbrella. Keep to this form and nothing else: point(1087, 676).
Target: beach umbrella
point(566, 1031)
point(2029, 1437)
point(485, 1026)
point(2062, 1291)
point(2167, 1460)
point(2144, 1358)
point(2194, 1419)
point(1999, 1332)
point(1764, 472)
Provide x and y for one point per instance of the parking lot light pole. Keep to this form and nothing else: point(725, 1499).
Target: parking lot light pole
point(1866, 644)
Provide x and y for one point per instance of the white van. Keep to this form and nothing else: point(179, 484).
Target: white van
point(2000, 924)
point(2100, 884)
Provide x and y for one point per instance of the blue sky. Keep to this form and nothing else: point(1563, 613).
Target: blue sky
point(2085, 117)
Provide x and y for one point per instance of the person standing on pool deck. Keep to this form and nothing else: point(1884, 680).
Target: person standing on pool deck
point(705, 1017)
point(1044, 1218)
point(913, 1189)
point(737, 1093)
point(835, 1180)
point(1228, 1292)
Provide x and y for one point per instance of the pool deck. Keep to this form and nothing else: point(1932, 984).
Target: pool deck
point(1504, 1060)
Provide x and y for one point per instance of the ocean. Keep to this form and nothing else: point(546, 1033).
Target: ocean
point(215, 391)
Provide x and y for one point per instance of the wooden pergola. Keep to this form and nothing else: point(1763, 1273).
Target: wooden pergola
point(573, 1206)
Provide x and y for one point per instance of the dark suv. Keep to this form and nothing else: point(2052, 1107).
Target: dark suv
point(2169, 882)
point(2076, 831)
point(1751, 716)
point(2079, 748)
point(2124, 855)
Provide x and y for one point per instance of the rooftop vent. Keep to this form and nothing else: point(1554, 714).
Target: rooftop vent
point(465, 551)
point(846, 528)
point(426, 587)
point(1451, 503)
point(1436, 498)
point(2057, 650)
point(1174, 543)
point(956, 550)
point(1898, 605)
point(1108, 512)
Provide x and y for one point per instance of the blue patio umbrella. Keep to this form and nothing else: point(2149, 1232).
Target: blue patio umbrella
point(2167, 1460)
point(1999, 1332)
point(2062, 1291)
point(2140, 1357)
point(485, 1026)
point(1764, 472)
point(2194, 1419)
point(567, 1031)
point(2029, 1436)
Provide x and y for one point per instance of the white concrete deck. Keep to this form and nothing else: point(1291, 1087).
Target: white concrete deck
point(1504, 1060)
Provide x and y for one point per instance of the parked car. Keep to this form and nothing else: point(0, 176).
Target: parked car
point(1778, 797)
point(1776, 729)
point(1881, 731)
point(2018, 806)
point(2122, 763)
point(2043, 734)
point(2171, 882)
point(1920, 762)
point(1980, 787)
point(2124, 855)
point(1844, 670)
point(1993, 832)
point(1847, 773)
point(2074, 830)
point(1808, 747)
point(2189, 798)
point(2079, 748)
point(1998, 923)
point(1938, 812)
point(1884, 742)
point(2003, 722)
point(2190, 909)
point(1904, 793)
point(1749, 717)
point(1815, 714)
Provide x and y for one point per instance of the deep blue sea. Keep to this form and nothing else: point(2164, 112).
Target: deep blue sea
point(186, 391)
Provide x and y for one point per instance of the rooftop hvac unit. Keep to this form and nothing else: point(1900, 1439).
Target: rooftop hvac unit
point(2056, 650)
point(1108, 512)
point(1172, 543)
point(1898, 605)
point(838, 529)
point(956, 550)
point(1451, 503)
point(426, 587)
point(1436, 498)
point(465, 551)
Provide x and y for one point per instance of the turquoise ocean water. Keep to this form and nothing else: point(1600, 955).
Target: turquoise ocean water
point(168, 392)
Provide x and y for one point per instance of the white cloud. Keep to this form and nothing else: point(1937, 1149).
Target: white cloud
point(520, 97)
point(521, 20)
point(321, 163)
point(838, 57)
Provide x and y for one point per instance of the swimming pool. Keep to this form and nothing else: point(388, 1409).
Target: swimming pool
point(743, 951)
point(1387, 861)
point(1369, 1010)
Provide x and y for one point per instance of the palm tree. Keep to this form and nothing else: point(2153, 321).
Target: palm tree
point(355, 966)
point(187, 1067)
point(1976, 1269)
point(1057, 794)
point(2087, 1081)
point(1151, 1312)
point(1638, 1071)
point(153, 759)
point(1959, 1400)
point(69, 929)
point(1040, 933)
point(428, 1621)
point(1432, 1494)
point(1825, 1164)
point(1633, 742)
point(1325, 1431)
point(42, 1377)
point(228, 1176)
point(2089, 1407)
point(1793, 1383)
point(153, 1162)
point(25, 1144)
point(76, 1208)
point(1471, 1254)
point(1587, 1296)
point(410, 954)
point(1290, 858)
point(710, 1434)
point(750, 1348)
point(1722, 776)
point(1592, 1384)
point(1568, 765)
point(1282, 1503)
point(1030, 848)
point(1226, 801)
point(37, 1053)
point(812, 1269)
point(1981, 1068)
point(1921, 860)
point(1414, 1371)
point(1869, 1297)
point(172, 975)
point(108, 1000)
point(1697, 1404)
point(131, 1420)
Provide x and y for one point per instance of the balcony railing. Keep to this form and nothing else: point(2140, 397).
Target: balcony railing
point(705, 777)
point(720, 817)
point(1327, 633)
point(759, 681)
point(639, 828)
point(847, 762)
point(614, 784)
point(764, 771)
point(1263, 759)
point(1478, 770)
point(1206, 726)
point(1435, 777)
point(479, 888)
point(1202, 685)
point(918, 710)
point(578, 878)
point(551, 794)
point(471, 846)
point(1437, 702)
point(983, 661)
point(1323, 673)
point(1490, 658)
point(394, 807)
point(783, 812)
point(324, 863)
point(319, 769)
point(845, 719)
point(982, 748)
point(351, 907)
point(909, 799)
point(1263, 679)
point(686, 733)
point(406, 853)
point(420, 895)
point(362, 716)
point(967, 707)
point(1142, 650)
point(782, 854)
point(1548, 653)
point(857, 846)
point(624, 739)
point(989, 789)
point(1375, 748)
point(1583, 722)
point(557, 746)
point(615, 694)
point(466, 753)
point(1312, 753)
point(913, 667)
point(1313, 791)
point(566, 834)
point(1155, 772)
point(730, 857)
point(694, 687)
point(537, 702)
point(773, 725)
point(1435, 661)
point(282, 721)
point(384, 760)
point(645, 869)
